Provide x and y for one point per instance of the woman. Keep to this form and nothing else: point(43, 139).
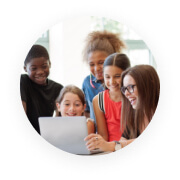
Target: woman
point(140, 87)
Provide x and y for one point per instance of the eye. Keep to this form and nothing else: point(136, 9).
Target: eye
point(44, 67)
point(101, 62)
point(117, 76)
point(107, 77)
point(33, 69)
point(77, 105)
point(91, 65)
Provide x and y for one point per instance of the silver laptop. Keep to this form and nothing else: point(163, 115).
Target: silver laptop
point(66, 133)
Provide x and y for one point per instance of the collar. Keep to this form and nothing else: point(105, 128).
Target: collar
point(95, 80)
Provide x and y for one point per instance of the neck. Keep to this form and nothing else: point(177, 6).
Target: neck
point(115, 96)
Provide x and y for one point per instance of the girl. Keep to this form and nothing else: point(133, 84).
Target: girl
point(38, 93)
point(107, 104)
point(71, 102)
point(98, 46)
point(140, 87)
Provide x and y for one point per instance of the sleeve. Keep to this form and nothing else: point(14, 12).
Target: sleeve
point(85, 94)
point(23, 88)
point(57, 92)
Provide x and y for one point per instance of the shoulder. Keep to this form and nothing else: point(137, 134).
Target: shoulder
point(25, 82)
point(24, 78)
point(54, 84)
point(95, 99)
point(86, 80)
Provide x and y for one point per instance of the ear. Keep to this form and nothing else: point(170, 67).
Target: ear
point(84, 107)
point(58, 106)
point(49, 64)
point(25, 69)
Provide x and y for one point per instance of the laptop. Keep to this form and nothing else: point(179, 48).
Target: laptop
point(66, 133)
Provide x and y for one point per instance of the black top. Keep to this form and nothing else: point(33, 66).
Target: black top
point(40, 99)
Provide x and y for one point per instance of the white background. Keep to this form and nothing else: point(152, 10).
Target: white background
point(25, 155)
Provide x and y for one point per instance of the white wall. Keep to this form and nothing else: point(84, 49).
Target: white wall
point(65, 48)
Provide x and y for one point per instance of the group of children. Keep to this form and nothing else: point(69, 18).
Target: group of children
point(118, 100)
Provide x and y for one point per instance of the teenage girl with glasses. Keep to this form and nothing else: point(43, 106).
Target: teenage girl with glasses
point(140, 88)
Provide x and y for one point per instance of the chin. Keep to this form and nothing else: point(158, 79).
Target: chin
point(99, 78)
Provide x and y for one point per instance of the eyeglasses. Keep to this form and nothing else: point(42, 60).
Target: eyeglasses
point(130, 88)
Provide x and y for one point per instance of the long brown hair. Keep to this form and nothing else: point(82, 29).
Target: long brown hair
point(102, 41)
point(148, 86)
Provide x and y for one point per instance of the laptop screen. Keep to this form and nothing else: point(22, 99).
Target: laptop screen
point(65, 133)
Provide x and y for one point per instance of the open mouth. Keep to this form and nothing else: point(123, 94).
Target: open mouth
point(132, 101)
point(41, 79)
point(71, 114)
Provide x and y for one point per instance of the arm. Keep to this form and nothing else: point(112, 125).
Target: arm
point(124, 142)
point(100, 119)
point(87, 110)
point(87, 114)
point(96, 141)
point(90, 126)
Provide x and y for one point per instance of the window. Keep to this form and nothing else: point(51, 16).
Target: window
point(137, 50)
point(44, 40)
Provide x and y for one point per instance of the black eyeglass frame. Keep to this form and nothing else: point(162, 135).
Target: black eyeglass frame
point(129, 88)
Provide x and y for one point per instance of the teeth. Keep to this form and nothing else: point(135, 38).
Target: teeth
point(71, 114)
point(40, 77)
point(132, 100)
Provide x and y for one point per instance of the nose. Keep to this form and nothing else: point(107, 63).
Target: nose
point(126, 93)
point(72, 107)
point(96, 67)
point(40, 71)
point(112, 81)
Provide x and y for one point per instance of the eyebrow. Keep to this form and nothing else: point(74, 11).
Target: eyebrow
point(78, 101)
point(66, 100)
point(114, 75)
point(41, 65)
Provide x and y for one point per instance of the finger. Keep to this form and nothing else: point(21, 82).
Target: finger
point(91, 141)
point(91, 146)
point(89, 136)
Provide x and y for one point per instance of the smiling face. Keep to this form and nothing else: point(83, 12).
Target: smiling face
point(38, 70)
point(96, 60)
point(112, 78)
point(71, 105)
point(132, 97)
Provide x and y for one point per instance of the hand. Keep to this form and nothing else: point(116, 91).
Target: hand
point(96, 141)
